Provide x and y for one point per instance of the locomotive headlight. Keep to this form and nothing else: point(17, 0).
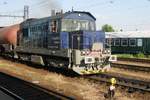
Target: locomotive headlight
point(87, 52)
point(105, 51)
point(108, 51)
point(83, 53)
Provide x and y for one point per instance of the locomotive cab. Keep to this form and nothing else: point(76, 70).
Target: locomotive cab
point(88, 54)
point(90, 58)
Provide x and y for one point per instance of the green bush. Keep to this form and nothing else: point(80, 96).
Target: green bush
point(125, 55)
point(140, 55)
point(148, 56)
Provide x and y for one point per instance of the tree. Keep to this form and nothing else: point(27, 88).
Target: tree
point(107, 28)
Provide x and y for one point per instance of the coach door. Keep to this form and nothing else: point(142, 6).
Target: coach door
point(146, 45)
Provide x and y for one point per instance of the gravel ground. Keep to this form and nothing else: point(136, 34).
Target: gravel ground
point(79, 88)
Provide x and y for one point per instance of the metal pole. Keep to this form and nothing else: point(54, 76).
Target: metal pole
point(25, 16)
point(26, 12)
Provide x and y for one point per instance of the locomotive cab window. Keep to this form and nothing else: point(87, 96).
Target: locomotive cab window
point(75, 25)
point(132, 42)
point(54, 26)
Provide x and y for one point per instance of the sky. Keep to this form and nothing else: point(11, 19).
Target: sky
point(128, 15)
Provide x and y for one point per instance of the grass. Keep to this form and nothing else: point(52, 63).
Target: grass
point(125, 55)
point(139, 55)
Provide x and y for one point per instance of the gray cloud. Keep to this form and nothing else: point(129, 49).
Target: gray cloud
point(43, 8)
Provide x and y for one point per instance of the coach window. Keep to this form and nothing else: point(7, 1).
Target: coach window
point(117, 42)
point(92, 26)
point(124, 42)
point(109, 42)
point(139, 42)
point(112, 42)
point(132, 42)
point(106, 42)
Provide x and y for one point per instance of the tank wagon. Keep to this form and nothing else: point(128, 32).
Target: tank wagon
point(8, 37)
point(65, 40)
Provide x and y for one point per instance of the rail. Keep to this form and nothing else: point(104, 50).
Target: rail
point(134, 60)
point(131, 83)
point(131, 67)
point(22, 90)
point(132, 64)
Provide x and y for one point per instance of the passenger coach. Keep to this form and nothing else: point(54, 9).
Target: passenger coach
point(129, 42)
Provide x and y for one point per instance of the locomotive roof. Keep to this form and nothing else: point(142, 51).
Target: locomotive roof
point(88, 13)
point(59, 16)
point(128, 34)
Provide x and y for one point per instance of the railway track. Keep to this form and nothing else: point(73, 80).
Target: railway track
point(131, 67)
point(135, 60)
point(21, 90)
point(131, 83)
point(132, 64)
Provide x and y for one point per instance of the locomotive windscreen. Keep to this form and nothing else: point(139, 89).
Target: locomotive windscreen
point(81, 39)
point(70, 25)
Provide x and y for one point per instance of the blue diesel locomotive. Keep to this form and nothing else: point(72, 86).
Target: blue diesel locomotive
point(66, 40)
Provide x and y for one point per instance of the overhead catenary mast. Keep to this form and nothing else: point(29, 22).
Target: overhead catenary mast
point(25, 15)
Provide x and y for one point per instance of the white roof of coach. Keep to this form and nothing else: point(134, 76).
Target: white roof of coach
point(128, 34)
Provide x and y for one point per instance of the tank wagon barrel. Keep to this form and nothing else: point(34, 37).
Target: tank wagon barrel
point(8, 37)
point(9, 34)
